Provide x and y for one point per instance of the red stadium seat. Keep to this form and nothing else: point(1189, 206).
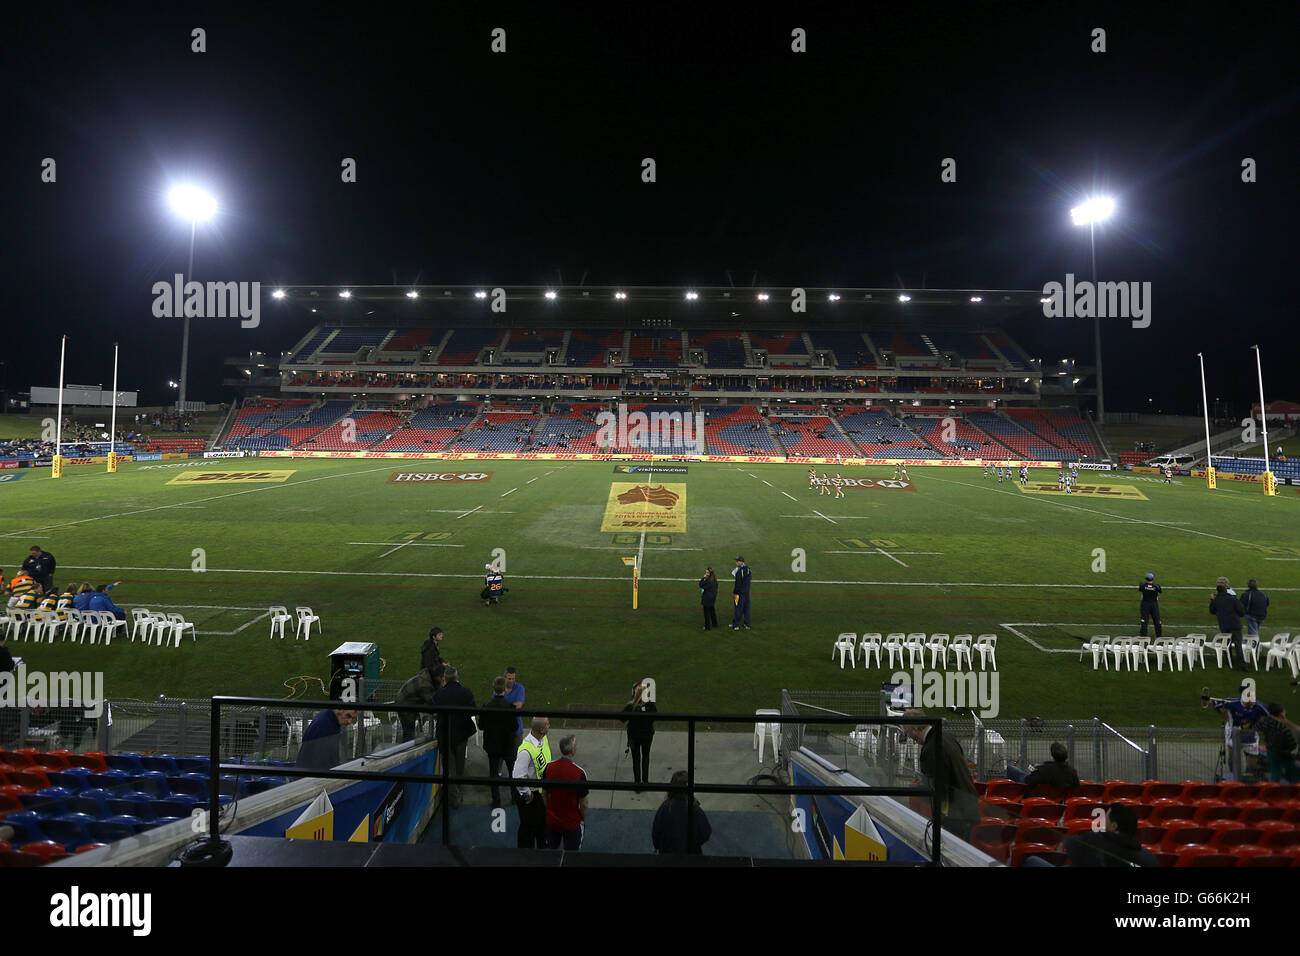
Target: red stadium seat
point(1243, 836)
point(1204, 856)
point(1093, 791)
point(1181, 833)
point(1151, 837)
point(1166, 859)
point(1037, 808)
point(995, 840)
point(50, 761)
point(1049, 853)
point(1257, 812)
point(9, 804)
point(981, 786)
point(1279, 839)
point(1163, 811)
point(46, 849)
point(90, 761)
point(1078, 826)
point(1243, 791)
point(1196, 792)
point(30, 778)
point(1000, 810)
point(1207, 811)
point(1260, 856)
point(12, 758)
point(1081, 808)
point(1153, 790)
point(1120, 791)
point(1031, 831)
point(1292, 816)
point(1005, 789)
point(1046, 792)
point(13, 790)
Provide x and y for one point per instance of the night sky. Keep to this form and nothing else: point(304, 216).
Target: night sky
point(814, 169)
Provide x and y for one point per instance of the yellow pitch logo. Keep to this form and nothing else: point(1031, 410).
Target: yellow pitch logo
point(1088, 491)
point(645, 507)
point(226, 477)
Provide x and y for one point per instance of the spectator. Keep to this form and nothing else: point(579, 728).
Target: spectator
point(499, 734)
point(1117, 846)
point(709, 598)
point(1229, 611)
point(566, 808)
point(24, 592)
point(530, 764)
point(668, 832)
point(430, 656)
point(320, 743)
point(100, 601)
point(419, 690)
point(740, 593)
point(640, 730)
point(82, 601)
point(1255, 604)
point(1278, 733)
point(515, 695)
point(961, 806)
point(6, 659)
point(40, 565)
point(1058, 773)
point(460, 727)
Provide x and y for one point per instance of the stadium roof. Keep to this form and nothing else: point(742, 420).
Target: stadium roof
point(667, 306)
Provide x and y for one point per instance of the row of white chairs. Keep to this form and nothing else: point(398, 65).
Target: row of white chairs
point(306, 618)
point(916, 645)
point(156, 626)
point(1135, 651)
point(77, 626)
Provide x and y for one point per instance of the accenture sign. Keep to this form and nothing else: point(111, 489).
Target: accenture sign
point(410, 477)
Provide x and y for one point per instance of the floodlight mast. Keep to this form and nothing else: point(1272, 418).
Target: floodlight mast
point(1089, 213)
point(194, 204)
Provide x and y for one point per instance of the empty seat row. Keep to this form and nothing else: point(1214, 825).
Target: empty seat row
point(915, 646)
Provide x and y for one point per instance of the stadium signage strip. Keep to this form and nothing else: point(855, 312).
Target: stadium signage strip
point(743, 459)
point(223, 454)
point(650, 469)
point(150, 456)
point(8, 464)
point(103, 460)
point(226, 477)
point(411, 477)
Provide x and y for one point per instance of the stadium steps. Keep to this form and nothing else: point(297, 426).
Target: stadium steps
point(930, 345)
point(562, 360)
point(995, 350)
point(380, 347)
point(875, 352)
point(993, 438)
point(224, 426)
point(749, 349)
point(780, 446)
point(1097, 441)
point(436, 357)
point(902, 423)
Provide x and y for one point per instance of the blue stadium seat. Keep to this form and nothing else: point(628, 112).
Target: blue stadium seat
point(151, 781)
point(262, 784)
point(42, 803)
point(69, 829)
point(177, 806)
point(115, 780)
point(193, 785)
point(127, 762)
point(133, 804)
point(72, 780)
point(95, 806)
point(164, 764)
point(27, 827)
point(136, 824)
point(193, 765)
point(102, 831)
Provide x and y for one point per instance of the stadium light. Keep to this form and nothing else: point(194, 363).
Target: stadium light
point(345, 294)
point(832, 298)
point(197, 205)
point(1089, 213)
point(620, 295)
point(904, 298)
point(480, 294)
point(277, 294)
point(977, 298)
point(412, 294)
point(550, 293)
point(692, 295)
point(762, 297)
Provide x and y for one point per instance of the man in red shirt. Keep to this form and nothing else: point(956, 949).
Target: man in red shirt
point(566, 808)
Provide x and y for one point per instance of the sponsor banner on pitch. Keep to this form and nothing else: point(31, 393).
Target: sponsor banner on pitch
point(411, 477)
point(11, 477)
point(632, 507)
point(884, 484)
point(1092, 491)
point(650, 468)
point(228, 477)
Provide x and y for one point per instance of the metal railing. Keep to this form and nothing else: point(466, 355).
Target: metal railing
point(444, 778)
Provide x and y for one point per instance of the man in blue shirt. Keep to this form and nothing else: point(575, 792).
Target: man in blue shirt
point(740, 593)
point(515, 695)
point(100, 601)
point(40, 565)
point(320, 742)
point(1244, 712)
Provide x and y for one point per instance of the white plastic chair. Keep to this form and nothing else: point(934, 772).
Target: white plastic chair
point(1137, 649)
point(1163, 649)
point(305, 619)
point(915, 646)
point(1099, 647)
point(110, 625)
point(1250, 650)
point(178, 626)
point(139, 615)
point(961, 646)
point(35, 621)
point(846, 643)
point(1278, 649)
point(870, 644)
point(937, 645)
point(153, 623)
point(1119, 648)
point(893, 644)
point(72, 626)
point(762, 729)
point(279, 616)
point(90, 624)
point(1193, 648)
point(987, 644)
point(17, 621)
point(1221, 644)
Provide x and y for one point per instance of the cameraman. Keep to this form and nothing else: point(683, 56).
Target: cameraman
point(1242, 712)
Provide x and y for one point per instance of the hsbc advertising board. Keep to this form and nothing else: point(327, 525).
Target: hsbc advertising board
point(414, 477)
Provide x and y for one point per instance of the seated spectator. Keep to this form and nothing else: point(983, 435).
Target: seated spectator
point(100, 601)
point(82, 601)
point(24, 592)
point(1058, 773)
point(1117, 846)
point(320, 743)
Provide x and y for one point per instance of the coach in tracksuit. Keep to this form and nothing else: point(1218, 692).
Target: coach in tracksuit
point(40, 565)
point(1255, 602)
point(1150, 604)
point(740, 592)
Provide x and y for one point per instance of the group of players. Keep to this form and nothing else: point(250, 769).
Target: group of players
point(1003, 473)
point(823, 485)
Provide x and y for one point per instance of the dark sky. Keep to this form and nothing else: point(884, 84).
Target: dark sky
point(817, 169)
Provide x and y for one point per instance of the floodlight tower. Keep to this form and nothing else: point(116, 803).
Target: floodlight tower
point(1095, 210)
point(196, 205)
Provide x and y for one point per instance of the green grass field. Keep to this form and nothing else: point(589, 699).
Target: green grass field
point(381, 562)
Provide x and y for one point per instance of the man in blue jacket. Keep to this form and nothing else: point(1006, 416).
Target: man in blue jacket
point(100, 601)
point(740, 593)
point(1255, 602)
point(40, 565)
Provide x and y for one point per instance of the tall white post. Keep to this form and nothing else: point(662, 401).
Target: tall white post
point(1263, 418)
point(56, 465)
point(1205, 403)
point(112, 427)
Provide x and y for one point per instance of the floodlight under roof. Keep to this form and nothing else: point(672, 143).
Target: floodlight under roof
point(277, 294)
point(192, 203)
point(480, 294)
point(977, 298)
point(550, 293)
point(904, 298)
point(692, 295)
point(412, 294)
point(345, 294)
